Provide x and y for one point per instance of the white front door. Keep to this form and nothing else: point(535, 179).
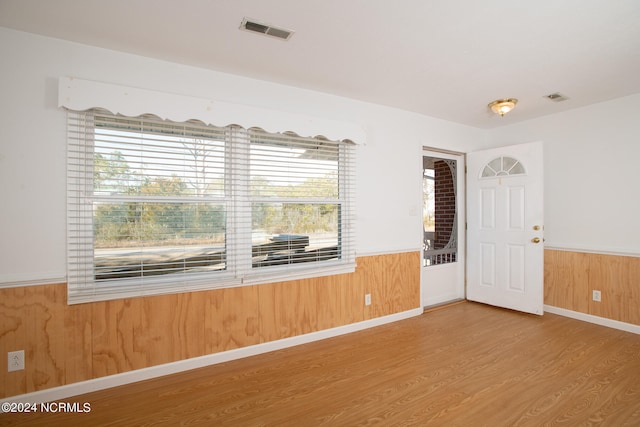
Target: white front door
point(505, 227)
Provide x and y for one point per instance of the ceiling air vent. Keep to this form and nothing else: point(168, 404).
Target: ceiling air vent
point(266, 29)
point(556, 97)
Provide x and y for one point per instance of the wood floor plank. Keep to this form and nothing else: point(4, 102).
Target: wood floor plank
point(464, 365)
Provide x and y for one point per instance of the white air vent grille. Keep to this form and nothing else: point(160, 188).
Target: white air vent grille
point(266, 29)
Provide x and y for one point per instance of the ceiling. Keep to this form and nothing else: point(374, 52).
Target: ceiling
point(441, 58)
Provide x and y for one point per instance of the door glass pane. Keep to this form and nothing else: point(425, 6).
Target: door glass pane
point(508, 163)
point(517, 169)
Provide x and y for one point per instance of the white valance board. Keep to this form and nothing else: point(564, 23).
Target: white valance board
point(81, 95)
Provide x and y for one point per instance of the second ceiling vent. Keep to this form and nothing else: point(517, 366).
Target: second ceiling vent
point(556, 97)
point(266, 29)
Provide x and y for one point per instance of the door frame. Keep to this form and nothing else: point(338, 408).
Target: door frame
point(439, 272)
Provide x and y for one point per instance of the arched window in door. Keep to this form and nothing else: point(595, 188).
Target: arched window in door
point(502, 166)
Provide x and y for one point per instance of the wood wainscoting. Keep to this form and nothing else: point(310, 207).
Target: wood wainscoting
point(65, 344)
point(571, 277)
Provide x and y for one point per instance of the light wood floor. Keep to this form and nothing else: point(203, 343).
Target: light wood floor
point(463, 365)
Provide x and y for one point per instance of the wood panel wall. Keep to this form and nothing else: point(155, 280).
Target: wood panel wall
point(570, 278)
point(70, 343)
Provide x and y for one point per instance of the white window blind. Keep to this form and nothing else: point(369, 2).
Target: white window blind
point(158, 207)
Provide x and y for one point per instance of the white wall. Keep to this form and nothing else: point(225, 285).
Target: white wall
point(32, 145)
point(592, 177)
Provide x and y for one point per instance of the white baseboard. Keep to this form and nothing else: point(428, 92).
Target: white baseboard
point(430, 302)
point(615, 324)
point(75, 389)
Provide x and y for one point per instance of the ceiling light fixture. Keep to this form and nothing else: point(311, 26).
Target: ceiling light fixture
point(503, 106)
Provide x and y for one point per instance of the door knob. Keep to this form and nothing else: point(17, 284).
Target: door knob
point(536, 227)
point(536, 240)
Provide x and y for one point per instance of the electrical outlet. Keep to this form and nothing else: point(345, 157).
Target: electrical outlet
point(367, 299)
point(597, 296)
point(15, 361)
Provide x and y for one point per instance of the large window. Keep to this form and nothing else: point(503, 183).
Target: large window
point(156, 206)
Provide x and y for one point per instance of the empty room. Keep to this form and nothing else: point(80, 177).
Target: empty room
point(279, 212)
